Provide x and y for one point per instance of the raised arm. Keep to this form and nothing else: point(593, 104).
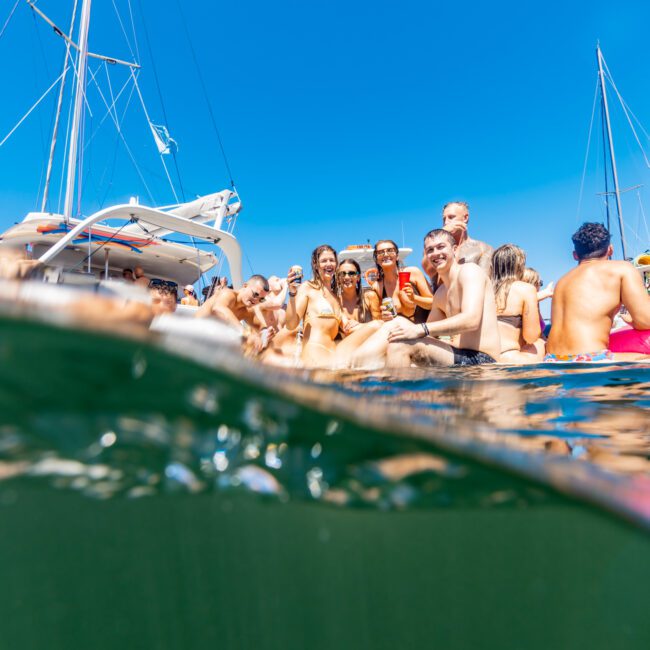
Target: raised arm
point(297, 301)
point(485, 260)
point(276, 301)
point(425, 299)
point(635, 298)
point(372, 304)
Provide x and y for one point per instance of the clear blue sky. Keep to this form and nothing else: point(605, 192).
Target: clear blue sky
point(346, 121)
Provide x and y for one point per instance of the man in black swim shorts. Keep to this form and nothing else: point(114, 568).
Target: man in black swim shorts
point(464, 309)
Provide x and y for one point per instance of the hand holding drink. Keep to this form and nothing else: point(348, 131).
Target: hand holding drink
point(404, 279)
point(388, 311)
point(294, 278)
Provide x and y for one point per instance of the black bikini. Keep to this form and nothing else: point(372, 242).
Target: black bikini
point(514, 321)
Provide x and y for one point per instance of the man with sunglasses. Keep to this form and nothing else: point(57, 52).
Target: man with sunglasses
point(239, 309)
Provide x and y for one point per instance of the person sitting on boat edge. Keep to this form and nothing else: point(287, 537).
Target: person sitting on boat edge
point(237, 308)
point(189, 296)
point(588, 297)
point(455, 219)
point(531, 276)
point(518, 317)
point(358, 306)
point(463, 307)
point(409, 300)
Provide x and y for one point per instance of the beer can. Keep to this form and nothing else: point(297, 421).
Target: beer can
point(389, 306)
point(297, 269)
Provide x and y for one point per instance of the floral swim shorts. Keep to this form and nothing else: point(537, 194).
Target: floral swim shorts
point(583, 357)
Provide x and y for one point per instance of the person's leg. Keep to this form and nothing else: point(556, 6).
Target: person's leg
point(349, 346)
point(372, 353)
point(530, 353)
point(430, 352)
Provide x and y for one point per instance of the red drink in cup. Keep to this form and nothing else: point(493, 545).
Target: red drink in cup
point(404, 277)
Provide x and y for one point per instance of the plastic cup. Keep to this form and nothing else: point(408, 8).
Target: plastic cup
point(404, 277)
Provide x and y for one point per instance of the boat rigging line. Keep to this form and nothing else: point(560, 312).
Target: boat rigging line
point(162, 105)
point(29, 112)
point(9, 17)
point(584, 167)
point(612, 155)
point(205, 96)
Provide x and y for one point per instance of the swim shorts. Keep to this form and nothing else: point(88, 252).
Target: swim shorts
point(465, 357)
point(584, 357)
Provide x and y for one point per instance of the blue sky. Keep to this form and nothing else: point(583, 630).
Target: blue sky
point(349, 121)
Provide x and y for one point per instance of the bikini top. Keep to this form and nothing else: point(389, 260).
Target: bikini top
point(513, 321)
point(323, 309)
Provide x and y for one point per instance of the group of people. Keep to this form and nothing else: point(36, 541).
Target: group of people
point(472, 305)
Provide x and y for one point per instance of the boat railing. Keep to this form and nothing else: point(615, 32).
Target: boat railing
point(160, 222)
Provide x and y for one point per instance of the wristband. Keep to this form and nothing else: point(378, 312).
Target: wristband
point(425, 329)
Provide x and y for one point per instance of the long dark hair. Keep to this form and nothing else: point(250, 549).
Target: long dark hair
point(360, 301)
point(380, 271)
point(316, 253)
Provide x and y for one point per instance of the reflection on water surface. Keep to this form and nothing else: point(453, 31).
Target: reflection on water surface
point(139, 421)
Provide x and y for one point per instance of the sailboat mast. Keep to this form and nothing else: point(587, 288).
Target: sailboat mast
point(617, 191)
point(80, 92)
point(57, 119)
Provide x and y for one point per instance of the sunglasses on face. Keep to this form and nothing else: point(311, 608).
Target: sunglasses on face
point(386, 252)
point(257, 296)
point(348, 274)
point(157, 282)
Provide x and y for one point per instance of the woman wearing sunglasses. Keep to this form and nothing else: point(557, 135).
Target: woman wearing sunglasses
point(357, 306)
point(316, 304)
point(415, 293)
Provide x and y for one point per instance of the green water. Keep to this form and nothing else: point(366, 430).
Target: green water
point(151, 502)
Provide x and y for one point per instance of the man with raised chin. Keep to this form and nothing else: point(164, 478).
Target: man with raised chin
point(239, 309)
point(463, 308)
point(455, 218)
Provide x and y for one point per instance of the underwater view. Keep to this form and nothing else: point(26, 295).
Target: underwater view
point(171, 495)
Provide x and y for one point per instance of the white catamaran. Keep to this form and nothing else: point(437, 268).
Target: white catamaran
point(93, 250)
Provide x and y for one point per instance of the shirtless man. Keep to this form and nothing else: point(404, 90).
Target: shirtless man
point(237, 308)
point(463, 308)
point(588, 297)
point(139, 277)
point(455, 217)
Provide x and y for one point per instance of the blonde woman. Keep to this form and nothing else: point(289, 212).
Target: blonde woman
point(316, 304)
point(517, 308)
